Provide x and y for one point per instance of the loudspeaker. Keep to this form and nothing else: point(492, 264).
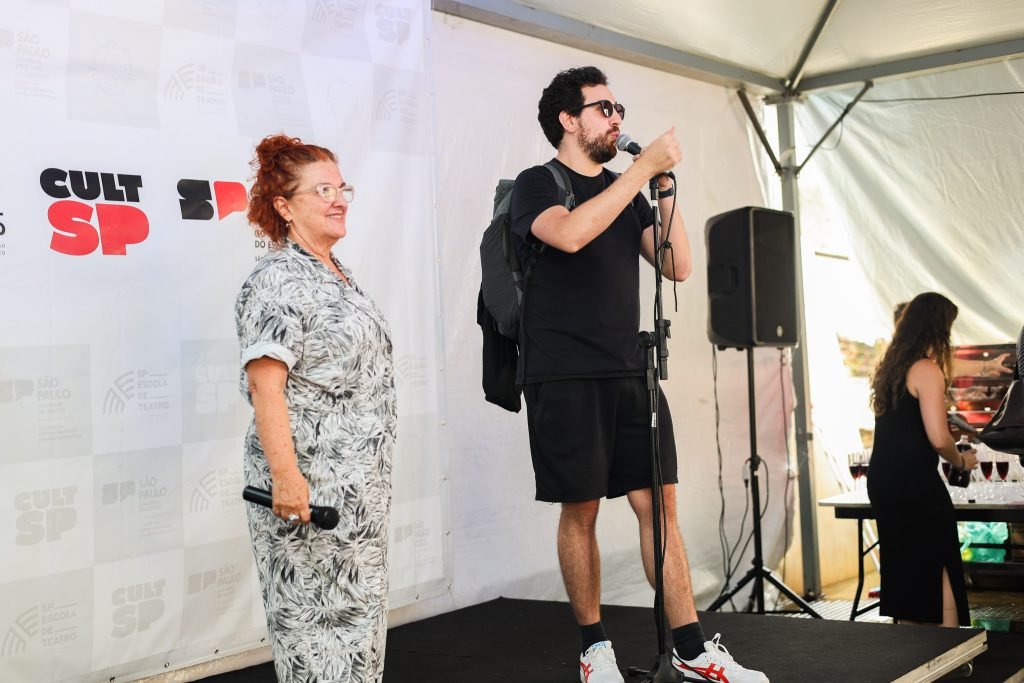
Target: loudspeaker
point(752, 278)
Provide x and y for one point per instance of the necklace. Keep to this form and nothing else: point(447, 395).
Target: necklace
point(328, 261)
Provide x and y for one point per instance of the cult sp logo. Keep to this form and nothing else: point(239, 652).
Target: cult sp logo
point(197, 199)
point(117, 222)
point(137, 607)
point(45, 515)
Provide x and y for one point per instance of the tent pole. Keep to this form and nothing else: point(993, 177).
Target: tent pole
point(793, 82)
point(849, 107)
point(801, 388)
point(759, 130)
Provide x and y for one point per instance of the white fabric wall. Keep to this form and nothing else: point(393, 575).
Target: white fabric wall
point(122, 532)
point(922, 195)
point(904, 197)
point(487, 83)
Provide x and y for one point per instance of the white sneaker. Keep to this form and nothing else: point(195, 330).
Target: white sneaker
point(597, 664)
point(715, 664)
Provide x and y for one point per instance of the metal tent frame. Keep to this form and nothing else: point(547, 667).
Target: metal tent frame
point(784, 94)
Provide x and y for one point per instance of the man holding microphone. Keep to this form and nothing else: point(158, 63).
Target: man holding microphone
point(581, 365)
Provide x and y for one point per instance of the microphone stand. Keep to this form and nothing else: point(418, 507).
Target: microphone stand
point(657, 368)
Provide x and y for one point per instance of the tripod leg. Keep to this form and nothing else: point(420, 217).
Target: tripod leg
point(796, 599)
point(725, 597)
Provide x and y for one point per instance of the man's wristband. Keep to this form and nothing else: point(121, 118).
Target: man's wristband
point(662, 194)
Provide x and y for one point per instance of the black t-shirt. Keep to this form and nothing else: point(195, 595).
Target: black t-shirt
point(581, 312)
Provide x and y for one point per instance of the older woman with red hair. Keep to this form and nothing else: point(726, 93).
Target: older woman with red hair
point(317, 370)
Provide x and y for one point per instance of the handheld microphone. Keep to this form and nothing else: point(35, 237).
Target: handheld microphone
point(320, 515)
point(627, 144)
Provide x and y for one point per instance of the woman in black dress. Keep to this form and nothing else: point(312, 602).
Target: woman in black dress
point(922, 573)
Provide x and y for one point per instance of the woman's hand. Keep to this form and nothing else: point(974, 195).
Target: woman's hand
point(291, 496)
point(969, 459)
point(997, 366)
point(267, 379)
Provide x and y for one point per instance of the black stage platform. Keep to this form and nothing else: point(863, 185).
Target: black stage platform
point(517, 641)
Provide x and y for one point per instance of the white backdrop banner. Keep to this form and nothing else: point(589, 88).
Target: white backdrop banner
point(123, 242)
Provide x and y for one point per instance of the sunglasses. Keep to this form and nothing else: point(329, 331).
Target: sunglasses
point(607, 108)
point(330, 192)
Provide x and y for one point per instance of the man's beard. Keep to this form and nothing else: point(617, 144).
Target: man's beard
point(599, 149)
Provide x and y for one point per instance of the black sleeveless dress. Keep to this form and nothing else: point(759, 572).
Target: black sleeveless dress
point(914, 515)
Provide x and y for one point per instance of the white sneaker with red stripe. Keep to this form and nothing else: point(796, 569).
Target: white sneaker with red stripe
point(715, 664)
point(597, 664)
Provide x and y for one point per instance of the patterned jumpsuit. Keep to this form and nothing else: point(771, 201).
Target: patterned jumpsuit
point(325, 592)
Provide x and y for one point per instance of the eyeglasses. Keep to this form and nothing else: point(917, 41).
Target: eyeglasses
point(607, 108)
point(330, 192)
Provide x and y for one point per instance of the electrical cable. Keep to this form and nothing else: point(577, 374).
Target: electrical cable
point(942, 98)
point(785, 492)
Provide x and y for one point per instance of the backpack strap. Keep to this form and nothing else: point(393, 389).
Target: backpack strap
point(568, 199)
point(565, 194)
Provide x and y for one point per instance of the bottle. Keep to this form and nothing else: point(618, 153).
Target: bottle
point(957, 476)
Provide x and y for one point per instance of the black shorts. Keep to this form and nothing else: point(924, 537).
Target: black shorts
point(590, 438)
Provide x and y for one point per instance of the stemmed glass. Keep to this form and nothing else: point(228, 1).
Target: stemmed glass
point(858, 461)
point(985, 464)
point(1003, 470)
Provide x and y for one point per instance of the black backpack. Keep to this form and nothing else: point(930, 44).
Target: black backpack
point(502, 286)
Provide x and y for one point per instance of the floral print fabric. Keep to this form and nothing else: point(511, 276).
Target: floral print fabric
point(325, 592)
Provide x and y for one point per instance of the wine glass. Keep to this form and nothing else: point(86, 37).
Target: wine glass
point(858, 462)
point(1003, 467)
point(1003, 470)
point(853, 459)
point(985, 464)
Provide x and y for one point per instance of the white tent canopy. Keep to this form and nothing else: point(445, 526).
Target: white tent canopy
point(788, 49)
point(761, 44)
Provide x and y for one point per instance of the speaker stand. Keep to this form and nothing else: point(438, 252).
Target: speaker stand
point(758, 573)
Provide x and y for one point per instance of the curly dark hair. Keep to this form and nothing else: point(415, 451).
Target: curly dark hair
point(565, 94)
point(277, 164)
point(922, 330)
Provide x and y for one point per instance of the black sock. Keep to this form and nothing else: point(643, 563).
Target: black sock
point(590, 634)
point(689, 640)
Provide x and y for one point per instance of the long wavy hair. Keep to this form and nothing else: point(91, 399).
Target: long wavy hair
point(922, 331)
